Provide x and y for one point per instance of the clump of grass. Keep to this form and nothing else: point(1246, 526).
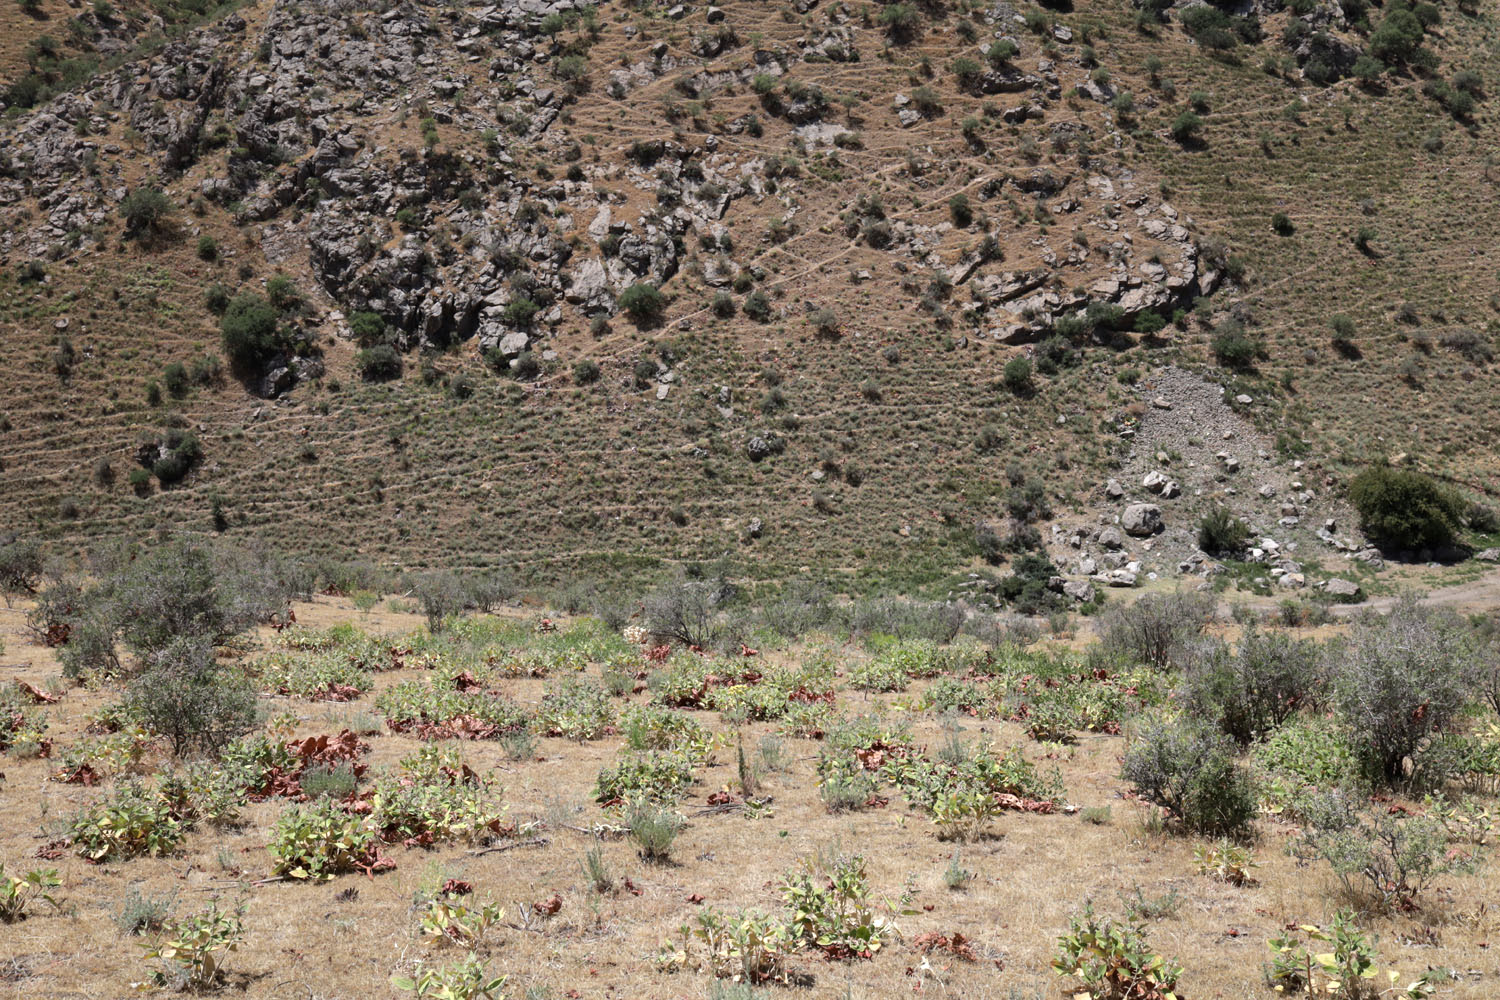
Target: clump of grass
point(1097, 815)
point(601, 878)
point(956, 876)
point(323, 782)
point(140, 914)
point(519, 745)
point(653, 829)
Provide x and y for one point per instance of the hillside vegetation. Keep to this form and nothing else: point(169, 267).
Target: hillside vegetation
point(860, 288)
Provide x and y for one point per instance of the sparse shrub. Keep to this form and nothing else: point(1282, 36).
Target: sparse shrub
point(1188, 769)
point(1158, 629)
point(440, 595)
point(723, 304)
point(1386, 855)
point(139, 914)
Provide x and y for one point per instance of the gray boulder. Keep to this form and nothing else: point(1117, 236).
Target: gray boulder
point(1141, 519)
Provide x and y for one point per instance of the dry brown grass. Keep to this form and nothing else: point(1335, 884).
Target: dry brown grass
point(307, 940)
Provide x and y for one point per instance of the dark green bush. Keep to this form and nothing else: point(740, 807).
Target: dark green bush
point(146, 211)
point(249, 330)
point(1221, 533)
point(1405, 509)
point(380, 363)
point(644, 303)
point(1232, 347)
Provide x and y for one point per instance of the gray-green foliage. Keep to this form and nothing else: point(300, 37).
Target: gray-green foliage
point(1400, 679)
point(188, 698)
point(1252, 690)
point(1184, 766)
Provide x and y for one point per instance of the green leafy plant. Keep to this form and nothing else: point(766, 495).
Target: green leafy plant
point(1346, 971)
point(17, 892)
point(661, 778)
point(830, 909)
point(447, 921)
point(131, 822)
point(1226, 861)
point(320, 841)
point(1113, 960)
point(464, 980)
point(196, 947)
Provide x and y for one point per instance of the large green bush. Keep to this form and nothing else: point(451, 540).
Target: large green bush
point(1405, 509)
point(249, 330)
point(643, 303)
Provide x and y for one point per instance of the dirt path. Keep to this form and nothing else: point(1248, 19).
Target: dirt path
point(1470, 596)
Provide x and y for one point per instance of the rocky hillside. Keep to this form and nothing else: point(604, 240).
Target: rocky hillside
point(874, 289)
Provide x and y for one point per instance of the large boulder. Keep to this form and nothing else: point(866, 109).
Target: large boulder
point(1344, 590)
point(1141, 519)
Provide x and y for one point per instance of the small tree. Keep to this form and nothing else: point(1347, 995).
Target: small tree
point(146, 211)
point(901, 20)
point(643, 303)
point(1186, 126)
point(249, 330)
point(441, 595)
point(1232, 347)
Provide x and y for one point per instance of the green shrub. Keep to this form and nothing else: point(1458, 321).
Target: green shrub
point(368, 328)
point(1249, 693)
point(1221, 533)
point(380, 363)
point(1385, 855)
point(1405, 509)
point(1158, 630)
point(249, 330)
point(901, 20)
point(146, 211)
point(1232, 347)
point(1017, 375)
point(644, 303)
point(586, 372)
point(1187, 125)
point(185, 697)
point(321, 840)
point(208, 249)
point(1188, 769)
point(1400, 679)
point(757, 306)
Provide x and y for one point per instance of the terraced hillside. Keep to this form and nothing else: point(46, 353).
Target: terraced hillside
point(858, 219)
